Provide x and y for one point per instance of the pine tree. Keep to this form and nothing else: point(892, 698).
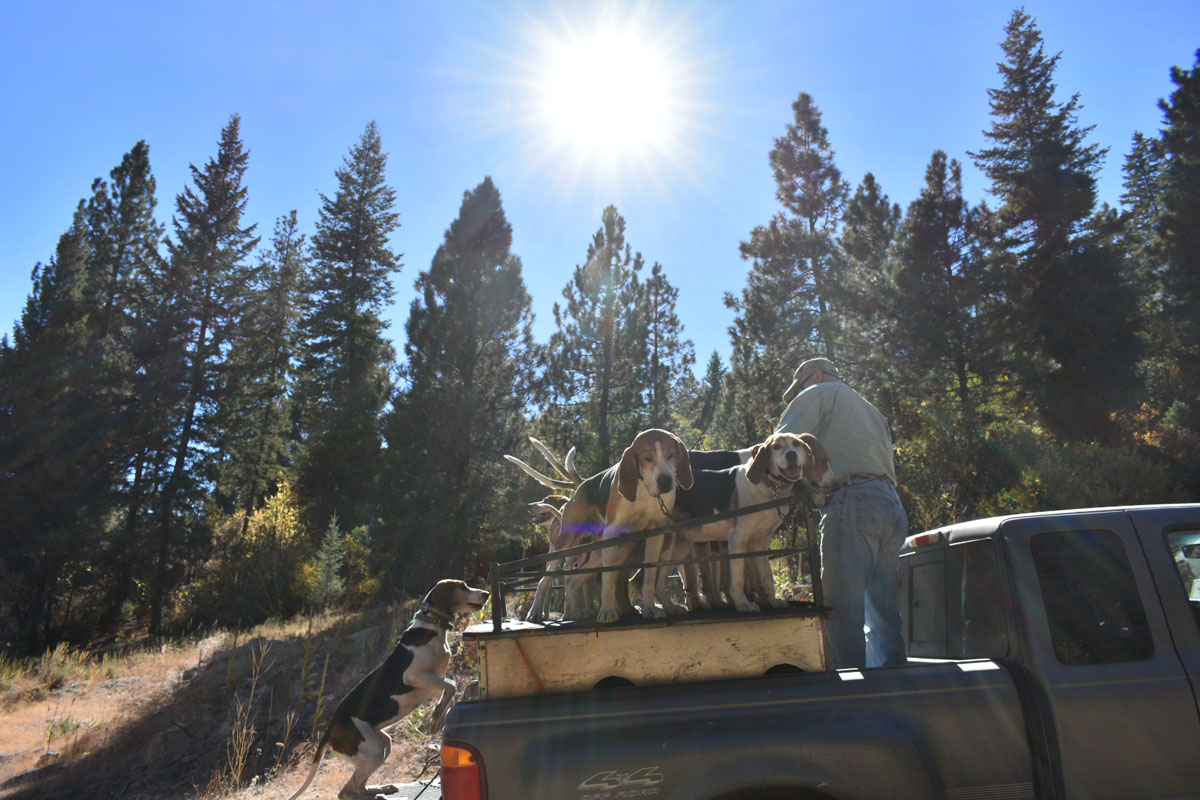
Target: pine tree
point(53, 484)
point(470, 371)
point(208, 263)
point(125, 240)
point(343, 377)
point(788, 309)
point(1179, 224)
point(706, 401)
point(597, 355)
point(935, 320)
point(255, 421)
point(1063, 298)
point(861, 259)
point(329, 586)
point(670, 356)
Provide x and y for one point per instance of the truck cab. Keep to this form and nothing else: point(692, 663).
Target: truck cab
point(1093, 615)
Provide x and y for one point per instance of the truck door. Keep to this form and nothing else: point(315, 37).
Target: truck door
point(1114, 701)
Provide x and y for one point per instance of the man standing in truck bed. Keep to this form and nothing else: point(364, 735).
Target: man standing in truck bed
point(864, 524)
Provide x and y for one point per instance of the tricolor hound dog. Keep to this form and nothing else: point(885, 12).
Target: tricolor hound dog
point(780, 462)
point(635, 494)
point(413, 674)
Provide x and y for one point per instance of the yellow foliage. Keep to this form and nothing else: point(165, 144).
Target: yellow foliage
point(278, 521)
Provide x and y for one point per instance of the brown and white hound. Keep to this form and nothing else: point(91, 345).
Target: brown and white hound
point(413, 674)
point(635, 494)
point(777, 464)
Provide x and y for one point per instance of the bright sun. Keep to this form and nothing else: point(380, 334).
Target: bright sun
point(609, 94)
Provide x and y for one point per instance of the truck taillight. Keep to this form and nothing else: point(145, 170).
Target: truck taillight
point(462, 773)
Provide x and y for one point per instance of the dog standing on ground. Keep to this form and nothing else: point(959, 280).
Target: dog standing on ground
point(412, 675)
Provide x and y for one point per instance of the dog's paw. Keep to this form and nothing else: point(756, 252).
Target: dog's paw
point(607, 616)
point(698, 604)
point(777, 602)
point(652, 611)
point(746, 607)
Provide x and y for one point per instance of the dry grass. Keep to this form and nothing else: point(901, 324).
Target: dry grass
point(227, 716)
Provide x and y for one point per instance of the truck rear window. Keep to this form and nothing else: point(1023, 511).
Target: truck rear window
point(1091, 599)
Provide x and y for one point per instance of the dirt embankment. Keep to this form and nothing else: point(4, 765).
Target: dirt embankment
point(226, 716)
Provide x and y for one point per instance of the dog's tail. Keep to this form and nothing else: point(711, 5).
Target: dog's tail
point(316, 763)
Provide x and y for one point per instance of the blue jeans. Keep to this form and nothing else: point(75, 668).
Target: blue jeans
point(862, 530)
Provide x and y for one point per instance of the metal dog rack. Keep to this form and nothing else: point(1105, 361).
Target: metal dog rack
point(516, 576)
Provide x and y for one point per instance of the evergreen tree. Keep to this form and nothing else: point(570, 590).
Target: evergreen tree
point(935, 323)
point(208, 266)
point(670, 356)
point(597, 356)
point(343, 381)
point(1145, 177)
point(707, 399)
point(255, 420)
point(1064, 302)
point(1179, 225)
point(329, 586)
point(789, 308)
point(869, 226)
point(125, 241)
point(52, 482)
point(470, 371)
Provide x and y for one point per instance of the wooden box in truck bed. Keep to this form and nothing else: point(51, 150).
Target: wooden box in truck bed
point(527, 658)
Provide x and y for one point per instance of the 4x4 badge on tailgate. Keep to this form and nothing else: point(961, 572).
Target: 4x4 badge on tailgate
point(619, 783)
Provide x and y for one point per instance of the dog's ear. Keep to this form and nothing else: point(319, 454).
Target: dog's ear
point(627, 475)
point(760, 457)
point(818, 465)
point(683, 464)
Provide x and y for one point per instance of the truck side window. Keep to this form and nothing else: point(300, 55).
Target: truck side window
point(1091, 599)
point(1185, 549)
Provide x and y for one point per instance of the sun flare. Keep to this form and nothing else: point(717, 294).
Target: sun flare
point(610, 94)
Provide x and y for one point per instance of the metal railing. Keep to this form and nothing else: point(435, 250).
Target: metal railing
point(515, 575)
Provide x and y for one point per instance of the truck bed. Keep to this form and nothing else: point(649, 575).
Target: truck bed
point(850, 732)
point(525, 658)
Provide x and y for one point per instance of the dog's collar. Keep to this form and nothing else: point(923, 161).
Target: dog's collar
point(432, 616)
point(780, 481)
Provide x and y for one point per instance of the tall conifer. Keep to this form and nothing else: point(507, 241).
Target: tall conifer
point(208, 266)
point(597, 356)
point(470, 372)
point(344, 381)
point(788, 309)
point(1063, 301)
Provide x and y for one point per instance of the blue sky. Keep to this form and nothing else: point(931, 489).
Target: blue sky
point(461, 90)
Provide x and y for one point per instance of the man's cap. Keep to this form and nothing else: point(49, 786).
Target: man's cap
point(805, 371)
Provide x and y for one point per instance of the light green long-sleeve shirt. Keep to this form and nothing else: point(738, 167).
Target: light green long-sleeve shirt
point(851, 429)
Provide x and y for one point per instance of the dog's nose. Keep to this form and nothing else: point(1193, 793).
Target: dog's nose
point(792, 457)
point(665, 483)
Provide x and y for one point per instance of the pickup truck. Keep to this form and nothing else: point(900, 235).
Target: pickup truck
point(1051, 655)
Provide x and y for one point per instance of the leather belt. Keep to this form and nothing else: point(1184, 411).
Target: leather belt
point(858, 478)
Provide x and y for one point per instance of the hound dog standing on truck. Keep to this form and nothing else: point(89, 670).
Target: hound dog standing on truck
point(635, 494)
point(413, 674)
point(778, 464)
